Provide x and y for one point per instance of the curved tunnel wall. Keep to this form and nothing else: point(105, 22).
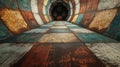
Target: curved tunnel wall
point(102, 16)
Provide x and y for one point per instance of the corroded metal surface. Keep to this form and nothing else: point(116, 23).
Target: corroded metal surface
point(13, 20)
point(59, 55)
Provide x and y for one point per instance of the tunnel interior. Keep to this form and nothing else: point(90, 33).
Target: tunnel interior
point(59, 33)
point(59, 11)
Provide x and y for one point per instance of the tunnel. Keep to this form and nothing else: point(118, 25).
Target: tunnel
point(59, 33)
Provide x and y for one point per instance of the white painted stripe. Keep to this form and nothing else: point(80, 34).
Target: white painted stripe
point(45, 2)
point(71, 11)
point(77, 8)
point(34, 8)
point(69, 18)
point(77, 1)
point(70, 4)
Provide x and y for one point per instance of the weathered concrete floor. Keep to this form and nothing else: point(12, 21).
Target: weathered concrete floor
point(60, 44)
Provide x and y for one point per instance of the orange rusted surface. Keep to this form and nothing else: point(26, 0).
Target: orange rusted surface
point(83, 5)
point(91, 5)
point(88, 5)
point(102, 20)
point(59, 55)
point(13, 20)
point(28, 16)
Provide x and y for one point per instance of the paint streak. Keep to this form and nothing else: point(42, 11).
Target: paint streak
point(13, 20)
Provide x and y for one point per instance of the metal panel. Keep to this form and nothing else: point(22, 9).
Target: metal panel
point(102, 20)
point(13, 20)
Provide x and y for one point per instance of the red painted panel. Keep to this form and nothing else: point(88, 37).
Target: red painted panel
point(88, 17)
point(28, 16)
point(88, 5)
point(91, 5)
point(83, 5)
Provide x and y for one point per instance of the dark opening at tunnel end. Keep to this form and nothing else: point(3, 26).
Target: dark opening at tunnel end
point(59, 10)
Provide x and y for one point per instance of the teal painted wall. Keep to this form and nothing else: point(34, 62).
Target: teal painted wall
point(114, 29)
point(79, 19)
point(4, 32)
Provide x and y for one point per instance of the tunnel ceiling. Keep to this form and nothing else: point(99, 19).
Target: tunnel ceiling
point(17, 16)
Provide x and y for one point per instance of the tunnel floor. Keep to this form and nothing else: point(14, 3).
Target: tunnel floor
point(59, 44)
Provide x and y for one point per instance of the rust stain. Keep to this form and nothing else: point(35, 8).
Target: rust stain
point(50, 55)
point(13, 20)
